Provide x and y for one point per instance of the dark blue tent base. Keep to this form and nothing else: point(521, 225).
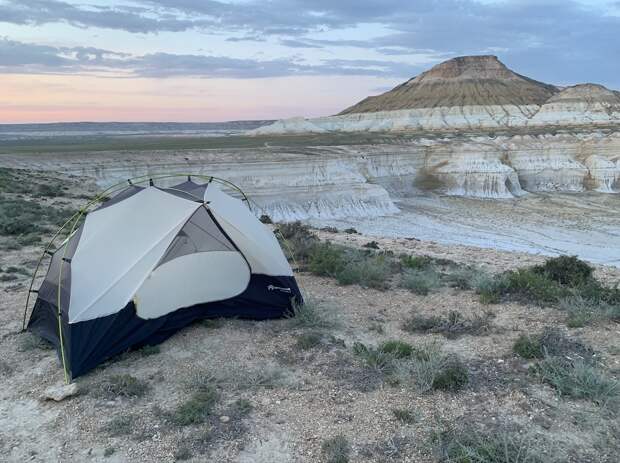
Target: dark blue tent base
point(89, 343)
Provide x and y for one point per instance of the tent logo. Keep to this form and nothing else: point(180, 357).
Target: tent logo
point(278, 288)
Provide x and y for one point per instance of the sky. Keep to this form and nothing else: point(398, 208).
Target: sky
point(217, 60)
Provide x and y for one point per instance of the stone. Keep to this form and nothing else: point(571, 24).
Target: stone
point(60, 392)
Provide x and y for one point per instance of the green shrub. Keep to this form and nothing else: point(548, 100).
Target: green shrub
point(325, 259)
point(398, 349)
point(351, 231)
point(566, 270)
point(336, 449)
point(551, 342)
point(451, 326)
point(122, 386)
point(121, 425)
point(196, 409)
point(528, 347)
point(473, 444)
point(371, 245)
point(416, 262)
point(375, 358)
point(466, 278)
point(298, 238)
point(532, 286)
point(579, 380)
point(312, 314)
point(371, 272)
point(265, 219)
point(420, 281)
point(453, 376)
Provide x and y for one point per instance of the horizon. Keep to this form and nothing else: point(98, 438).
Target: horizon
point(173, 61)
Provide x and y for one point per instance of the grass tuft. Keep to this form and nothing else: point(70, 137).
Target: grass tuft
point(121, 386)
point(451, 326)
point(336, 449)
point(420, 281)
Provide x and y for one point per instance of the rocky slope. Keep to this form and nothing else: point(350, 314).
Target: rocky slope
point(474, 92)
point(368, 180)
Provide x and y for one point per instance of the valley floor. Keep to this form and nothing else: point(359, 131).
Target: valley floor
point(582, 224)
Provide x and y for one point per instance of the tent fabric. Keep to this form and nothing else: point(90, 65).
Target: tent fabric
point(146, 265)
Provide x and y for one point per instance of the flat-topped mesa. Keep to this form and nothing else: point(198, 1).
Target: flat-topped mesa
point(458, 82)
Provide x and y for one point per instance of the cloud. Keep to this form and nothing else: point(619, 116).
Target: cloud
point(19, 57)
point(555, 40)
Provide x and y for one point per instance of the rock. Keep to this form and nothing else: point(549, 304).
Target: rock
point(60, 392)
point(224, 419)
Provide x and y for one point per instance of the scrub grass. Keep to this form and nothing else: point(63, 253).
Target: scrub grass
point(421, 281)
point(121, 386)
point(121, 425)
point(424, 367)
point(552, 342)
point(336, 449)
point(559, 282)
point(452, 326)
point(472, 443)
point(312, 314)
point(579, 380)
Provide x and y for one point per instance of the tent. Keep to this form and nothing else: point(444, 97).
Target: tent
point(152, 260)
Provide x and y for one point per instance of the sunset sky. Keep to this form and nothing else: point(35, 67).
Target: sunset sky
point(215, 60)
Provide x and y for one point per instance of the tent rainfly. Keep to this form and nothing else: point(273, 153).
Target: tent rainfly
point(150, 261)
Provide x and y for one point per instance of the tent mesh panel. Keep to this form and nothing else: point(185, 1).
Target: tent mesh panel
point(199, 234)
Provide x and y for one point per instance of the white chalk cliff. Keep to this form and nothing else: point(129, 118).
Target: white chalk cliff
point(550, 139)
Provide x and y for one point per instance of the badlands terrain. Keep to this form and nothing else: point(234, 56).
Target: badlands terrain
point(436, 329)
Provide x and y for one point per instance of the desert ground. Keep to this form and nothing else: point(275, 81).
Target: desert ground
point(406, 350)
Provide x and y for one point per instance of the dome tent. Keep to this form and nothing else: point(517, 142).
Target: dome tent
point(152, 260)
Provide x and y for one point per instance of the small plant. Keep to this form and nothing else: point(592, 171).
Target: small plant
point(5, 369)
point(528, 347)
point(552, 342)
point(351, 231)
point(371, 245)
point(453, 376)
point(404, 415)
point(578, 379)
point(196, 409)
point(375, 358)
point(108, 452)
point(420, 282)
point(147, 351)
point(241, 408)
point(298, 238)
point(183, 453)
point(398, 349)
point(122, 386)
point(336, 449)
point(307, 341)
point(121, 425)
point(312, 314)
point(473, 444)
point(372, 272)
point(451, 326)
point(326, 259)
point(416, 262)
point(466, 278)
point(265, 219)
point(29, 342)
point(212, 323)
point(566, 270)
point(330, 229)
